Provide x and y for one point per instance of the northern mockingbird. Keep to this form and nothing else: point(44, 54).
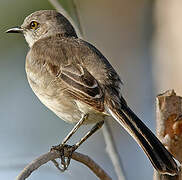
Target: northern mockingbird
point(73, 79)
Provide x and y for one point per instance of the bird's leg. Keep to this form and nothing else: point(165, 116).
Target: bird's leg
point(92, 131)
point(75, 128)
point(65, 161)
point(73, 131)
point(71, 149)
point(61, 147)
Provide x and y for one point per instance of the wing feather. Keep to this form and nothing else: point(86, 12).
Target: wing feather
point(66, 63)
point(84, 87)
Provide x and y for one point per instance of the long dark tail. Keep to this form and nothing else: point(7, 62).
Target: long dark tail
point(161, 159)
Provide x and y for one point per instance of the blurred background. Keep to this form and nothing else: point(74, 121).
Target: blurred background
point(141, 39)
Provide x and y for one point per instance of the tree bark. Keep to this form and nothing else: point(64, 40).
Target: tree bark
point(169, 127)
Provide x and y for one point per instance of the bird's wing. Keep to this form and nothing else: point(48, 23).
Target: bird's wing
point(82, 85)
point(62, 59)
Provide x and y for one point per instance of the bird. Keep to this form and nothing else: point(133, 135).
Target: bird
point(75, 80)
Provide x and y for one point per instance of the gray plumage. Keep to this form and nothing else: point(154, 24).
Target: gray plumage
point(72, 78)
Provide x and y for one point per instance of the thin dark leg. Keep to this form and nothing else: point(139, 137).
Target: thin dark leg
point(92, 131)
point(75, 128)
point(65, 161)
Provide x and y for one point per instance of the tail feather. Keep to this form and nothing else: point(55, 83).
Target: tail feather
point(161, 159)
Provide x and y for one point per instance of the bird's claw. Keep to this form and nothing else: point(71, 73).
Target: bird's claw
point(65, 152)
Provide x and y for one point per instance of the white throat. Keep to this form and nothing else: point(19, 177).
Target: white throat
point(29, 39)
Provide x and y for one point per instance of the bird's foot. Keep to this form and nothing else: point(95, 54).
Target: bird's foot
point(65, 152)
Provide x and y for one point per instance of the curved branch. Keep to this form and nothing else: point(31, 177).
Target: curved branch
point(52, 155)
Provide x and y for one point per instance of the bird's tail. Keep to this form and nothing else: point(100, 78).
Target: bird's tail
point(161, 159)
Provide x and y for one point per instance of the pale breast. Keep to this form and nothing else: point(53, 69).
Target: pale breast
point(52, 92)
point(66, 108)
point(57, 101)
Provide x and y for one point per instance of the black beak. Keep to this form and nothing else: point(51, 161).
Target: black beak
point(15, 30)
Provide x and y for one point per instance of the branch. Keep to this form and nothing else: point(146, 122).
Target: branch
point(110, 144)
point(59, 8)
point(76, 13)
point(52, 155)
point(112, 151)
point(169, 127)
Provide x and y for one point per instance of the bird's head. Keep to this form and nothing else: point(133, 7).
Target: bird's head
point(44, 23)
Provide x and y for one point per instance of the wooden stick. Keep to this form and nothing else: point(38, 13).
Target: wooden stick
point(169, 127)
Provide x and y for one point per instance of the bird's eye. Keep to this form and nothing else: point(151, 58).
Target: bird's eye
point(34, 25)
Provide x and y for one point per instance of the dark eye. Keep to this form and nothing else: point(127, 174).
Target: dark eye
point(34, 25)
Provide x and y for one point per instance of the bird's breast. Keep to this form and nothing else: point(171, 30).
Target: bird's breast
point(54, 97)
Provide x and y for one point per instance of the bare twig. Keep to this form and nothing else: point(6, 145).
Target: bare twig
point(169, 127)
point(35, 164)
point(112, 151)
point(110, 144)
point(77, 14)
point(59, 8)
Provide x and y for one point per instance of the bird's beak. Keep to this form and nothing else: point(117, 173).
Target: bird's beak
point(15, 30)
